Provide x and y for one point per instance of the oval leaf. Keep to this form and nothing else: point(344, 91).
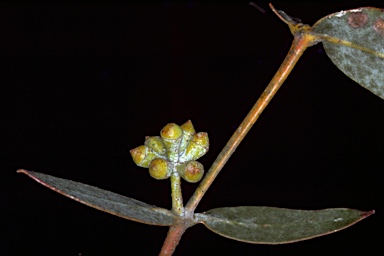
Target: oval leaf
point(106, 201)
point(355, 44)
point(270, 225)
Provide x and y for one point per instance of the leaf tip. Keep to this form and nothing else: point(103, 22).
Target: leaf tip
point(22, 171)
point(367, 213)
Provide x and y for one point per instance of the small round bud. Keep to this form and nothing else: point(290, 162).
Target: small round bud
point(197, 147)
point(158, 169)
point(191, 171)
point(172, 135)
point(156, 143)
point(142, 156)
point(188, 132)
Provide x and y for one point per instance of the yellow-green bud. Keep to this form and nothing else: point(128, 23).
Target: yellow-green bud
point(197, 147)
point(156, 143)
point(191, 171)
point(142, 156)
point(172, 135)
point(188, 132)
point(158, 169)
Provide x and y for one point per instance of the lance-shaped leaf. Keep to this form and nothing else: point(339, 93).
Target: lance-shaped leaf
point(355, 44)
point(106, 201)
point(270, 225)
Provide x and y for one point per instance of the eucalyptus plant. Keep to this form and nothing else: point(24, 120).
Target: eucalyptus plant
point(349, 37)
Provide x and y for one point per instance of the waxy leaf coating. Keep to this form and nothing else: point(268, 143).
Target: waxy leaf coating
point(106, 201)
point(357, 45)
point(270, 225)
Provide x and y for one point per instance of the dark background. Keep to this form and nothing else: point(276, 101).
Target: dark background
point(82, 84)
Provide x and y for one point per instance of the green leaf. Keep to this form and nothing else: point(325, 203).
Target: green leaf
point(106, 201)
point(270, 225)
point(354, 41)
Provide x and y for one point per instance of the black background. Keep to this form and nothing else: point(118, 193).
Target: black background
point(82, 84)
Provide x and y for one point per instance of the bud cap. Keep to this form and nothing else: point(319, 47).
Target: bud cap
point(142, 156)
point(172, 136)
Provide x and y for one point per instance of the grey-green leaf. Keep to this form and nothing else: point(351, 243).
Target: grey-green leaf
point(106, 201)
point(355, 44)
point(270, 225)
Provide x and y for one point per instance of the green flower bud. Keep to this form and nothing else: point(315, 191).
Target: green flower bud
point(142, 156)
point(191, 171)
point(197, 147)
point(188, 132)
point(156, 143)
point(158, 169)
point(172, 135)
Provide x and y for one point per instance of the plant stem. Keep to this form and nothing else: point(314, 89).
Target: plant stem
point(173, 238)
point(177, 197)
point(178, 228)
point(301, 41)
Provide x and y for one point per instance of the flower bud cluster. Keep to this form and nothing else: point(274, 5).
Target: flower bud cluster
point(175, 150)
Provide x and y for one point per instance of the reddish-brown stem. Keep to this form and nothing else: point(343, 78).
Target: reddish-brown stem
point(300, 43)
point(173, 238)
point(302, 40)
